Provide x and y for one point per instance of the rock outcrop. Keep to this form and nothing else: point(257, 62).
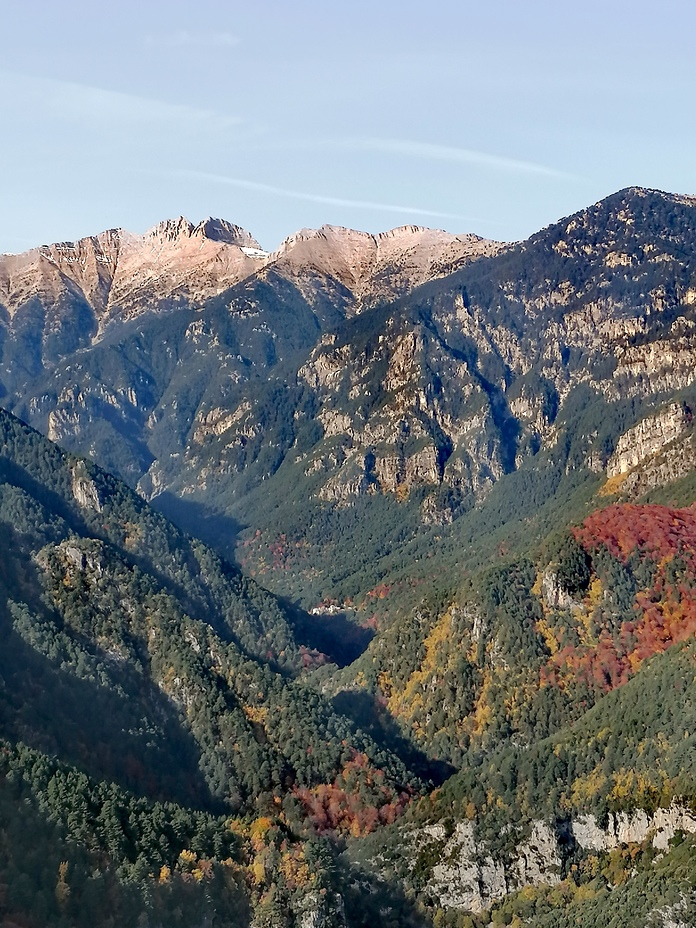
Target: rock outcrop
point(648, 437)
point(467, 876)
point(634, 828)
point(85, 489)
point(671, 463)
point(377, 268)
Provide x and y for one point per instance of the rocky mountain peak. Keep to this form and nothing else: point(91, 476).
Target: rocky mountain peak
point(180, 230)
point(403, 231)
point(378, 267)
point(171, 230)
point(220, 230)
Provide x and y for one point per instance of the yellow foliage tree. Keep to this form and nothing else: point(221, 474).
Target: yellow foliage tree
point(62, 888)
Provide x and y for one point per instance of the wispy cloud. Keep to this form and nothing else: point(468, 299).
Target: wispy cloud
point(78, 102)
point(185, 39)
point(433, 152)
point(315, 197)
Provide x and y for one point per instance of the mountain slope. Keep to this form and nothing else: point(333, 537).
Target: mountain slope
point(115, 699)
point(138, 670)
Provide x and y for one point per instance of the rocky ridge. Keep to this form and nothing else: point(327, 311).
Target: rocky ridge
point(381, 267)
point(474, 382)
point(648, 437)
point(116, 272)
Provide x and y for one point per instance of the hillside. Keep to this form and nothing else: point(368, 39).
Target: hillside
point(133, 655)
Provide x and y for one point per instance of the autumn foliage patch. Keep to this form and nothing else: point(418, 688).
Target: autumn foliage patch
point(642, 599)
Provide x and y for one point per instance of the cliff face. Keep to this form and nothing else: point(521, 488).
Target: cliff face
point(375, 268)
point(115, 272)
point(468, 378)
point(466, 876)
point(648, 437)
point(58, 298)
point(469, 878)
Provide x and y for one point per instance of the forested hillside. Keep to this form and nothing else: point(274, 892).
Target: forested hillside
point(157, 674)
point(169, 765)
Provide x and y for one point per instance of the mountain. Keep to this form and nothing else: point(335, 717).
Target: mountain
point(117, 274)
point(73, 291)
point(467, 469)
point(375, 268)
point(138, 310)
point(305, 372)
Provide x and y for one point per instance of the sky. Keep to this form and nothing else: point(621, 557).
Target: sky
point(496, 118)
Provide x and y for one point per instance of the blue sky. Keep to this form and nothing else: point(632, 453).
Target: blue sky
point(494, 118)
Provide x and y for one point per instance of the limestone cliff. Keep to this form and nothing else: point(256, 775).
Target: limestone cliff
point(466, 876)
point(648, 437)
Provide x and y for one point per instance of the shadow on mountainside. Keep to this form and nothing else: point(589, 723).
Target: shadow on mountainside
point(372, 717)
point(215, 529)
point(332, 633)
point(121, 728)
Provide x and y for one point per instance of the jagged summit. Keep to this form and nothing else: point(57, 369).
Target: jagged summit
point(171, 229)
point(220, 230)
point(381, 266)
point(212, 229)
point(118, 274)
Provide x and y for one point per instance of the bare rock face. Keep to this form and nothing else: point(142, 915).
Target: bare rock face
point(538, 859)
point(78, 559)
point(177, 262)
point(671, 463)
point(59, 299)
point(467, 877)
point(553, 593)
point(648, 437)
point(114, 271)
point(84, 489)
point(118, 274)
point(377, 268)
point(625, 828)
point(321, 911)
point(424, 420)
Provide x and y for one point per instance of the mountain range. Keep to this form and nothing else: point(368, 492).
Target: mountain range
point(376, 554)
